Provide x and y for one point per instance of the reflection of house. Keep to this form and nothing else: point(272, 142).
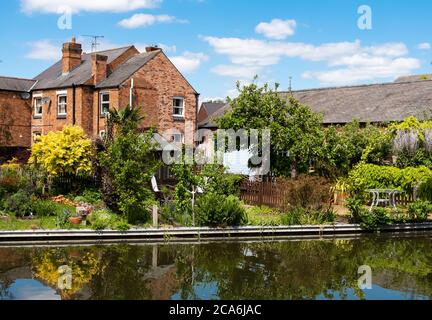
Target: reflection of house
point(80, 89)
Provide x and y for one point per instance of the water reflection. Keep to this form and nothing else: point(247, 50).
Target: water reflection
point(402, 269)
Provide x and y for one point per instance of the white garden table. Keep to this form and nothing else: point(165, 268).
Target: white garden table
point(384, 197)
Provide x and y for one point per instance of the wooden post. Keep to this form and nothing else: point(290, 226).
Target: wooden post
point(155, 216)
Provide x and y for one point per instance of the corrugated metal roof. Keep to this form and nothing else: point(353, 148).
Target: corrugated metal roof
point(16, 84)
point(127, 69)
point(54, 78)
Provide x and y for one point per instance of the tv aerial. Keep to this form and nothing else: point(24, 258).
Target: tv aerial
point(94, 42)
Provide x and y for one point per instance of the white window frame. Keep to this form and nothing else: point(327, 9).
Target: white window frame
point(102, 103)
point(61, 95)
point(174, 107)
point(175, 137)
point(35, 113)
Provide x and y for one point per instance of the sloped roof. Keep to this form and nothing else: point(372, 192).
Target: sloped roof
point(369, 103)
point(212, 107)
point(417, 77)
point(54, 78)
point(376, 103)
point(16, 84)
point(210, 122)
point(127, 69)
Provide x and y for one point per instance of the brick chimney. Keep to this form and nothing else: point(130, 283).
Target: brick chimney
point(99, 68)
point(153, 48)
point(71, 56)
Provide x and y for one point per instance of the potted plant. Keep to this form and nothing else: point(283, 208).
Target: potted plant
point(341, 191)
point(75, 219)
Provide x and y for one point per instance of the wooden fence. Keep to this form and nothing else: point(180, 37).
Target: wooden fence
point(273, 193)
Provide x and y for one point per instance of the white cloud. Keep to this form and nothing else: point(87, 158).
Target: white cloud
point(75, 6)
point(354, 73)
point(277, 29)
point(354, 62)
point(145, 20)
point(236, 71)
point(189, 62)
point(44, 50)
point(424, 46)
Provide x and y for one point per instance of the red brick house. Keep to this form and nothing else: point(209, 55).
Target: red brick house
point(80, 88)
point(15, 117)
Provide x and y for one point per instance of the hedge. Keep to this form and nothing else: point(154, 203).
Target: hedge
point(370, 176)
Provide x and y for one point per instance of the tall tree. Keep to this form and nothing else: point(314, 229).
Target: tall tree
point(296, 132)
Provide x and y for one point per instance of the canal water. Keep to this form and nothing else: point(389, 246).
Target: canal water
point(401, 268)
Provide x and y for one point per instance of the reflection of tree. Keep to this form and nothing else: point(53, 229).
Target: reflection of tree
point(302, 270)
point(276, 270)
point(84, 266)
point(4, 289)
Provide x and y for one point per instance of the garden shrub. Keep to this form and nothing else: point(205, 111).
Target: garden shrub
point(370, 176)
point(170, 215)
point(425, 190)
point(308, 192)
point(347, 145)
point(219, 210)
point(89, 196)
point(419, 211)
point(18, 204)
point(105, 219)
point(10, 178)
point(66, 152)
point(369, 220)
point(44, 208)
point(216, 180)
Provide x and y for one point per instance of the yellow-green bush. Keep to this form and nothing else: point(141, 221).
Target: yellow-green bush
point(66, 152)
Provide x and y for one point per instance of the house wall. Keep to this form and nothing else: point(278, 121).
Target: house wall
point(51, 121)
point(155, 86)
point(202, 114)
point(15, 114)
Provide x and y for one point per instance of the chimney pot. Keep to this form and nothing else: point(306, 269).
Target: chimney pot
point(99, 67)
point(152, 48)
point(72, 52)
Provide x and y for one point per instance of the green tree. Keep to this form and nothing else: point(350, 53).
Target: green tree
point(296, 132)
point(128, 162)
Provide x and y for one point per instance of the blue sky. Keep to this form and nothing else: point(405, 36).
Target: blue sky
point(217, 42)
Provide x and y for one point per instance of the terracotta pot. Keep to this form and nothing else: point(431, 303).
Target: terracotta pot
point(75, 220)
